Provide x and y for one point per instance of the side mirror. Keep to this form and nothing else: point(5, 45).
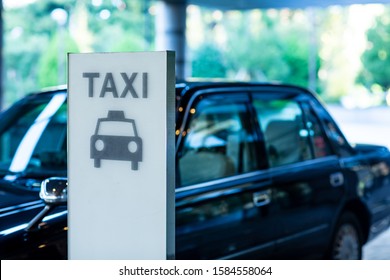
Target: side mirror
point(54, 190)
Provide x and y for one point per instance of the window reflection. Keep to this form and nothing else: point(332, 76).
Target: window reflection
point(291, 134)
point(285, 135)
point(36, 138)
point(218, 144)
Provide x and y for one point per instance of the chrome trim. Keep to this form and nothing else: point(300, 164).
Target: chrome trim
point(301, 234)
point(336, 179)
point(247, 251)
point(14, 207)
point(22, 210)
point(53, 216)
point(54, 194)
point(262, 198)
point(304, 163)
point(277, 242)
point(221, 181)
point(13, 229)
point(24, 226)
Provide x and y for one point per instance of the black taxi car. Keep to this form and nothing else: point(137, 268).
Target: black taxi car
point(263, 171)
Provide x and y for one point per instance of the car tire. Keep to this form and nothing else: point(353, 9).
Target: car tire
point(347, 241)
point(134, 165)
point(97, 163)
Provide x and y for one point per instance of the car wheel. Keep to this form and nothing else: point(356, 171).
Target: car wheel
point(134, 165)
point(347, 240)
point(97, 163)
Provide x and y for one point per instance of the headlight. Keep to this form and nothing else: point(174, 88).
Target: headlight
point(99, 145)
point(133, 146)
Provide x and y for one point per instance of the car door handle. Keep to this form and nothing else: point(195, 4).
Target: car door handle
point(262, 198)
point(336, 179)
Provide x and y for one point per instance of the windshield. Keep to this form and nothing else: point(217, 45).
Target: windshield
point(116, 128)
point(33, 135)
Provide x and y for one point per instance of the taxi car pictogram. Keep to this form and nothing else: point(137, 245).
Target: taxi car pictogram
point(106, 144)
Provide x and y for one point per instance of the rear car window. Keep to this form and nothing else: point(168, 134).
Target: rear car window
point(219, 142)
point(291, 134)
point(282, 125)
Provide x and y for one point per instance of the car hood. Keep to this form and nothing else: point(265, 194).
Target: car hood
point(14, 196)
point(18, 206)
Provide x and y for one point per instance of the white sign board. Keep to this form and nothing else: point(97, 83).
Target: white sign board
point(121, 155)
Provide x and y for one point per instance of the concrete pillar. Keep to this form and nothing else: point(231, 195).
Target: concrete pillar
point(171, 31)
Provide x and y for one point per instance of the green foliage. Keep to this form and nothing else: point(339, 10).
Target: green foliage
point(52, 64)
point(376, 58)
point(296, 54)
point(20, 76)
point(34, 44)
point(259, 55)
point(259, 46)
point(115, 39)
point(208, 62)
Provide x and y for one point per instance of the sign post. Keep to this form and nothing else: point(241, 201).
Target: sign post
point(121, 155)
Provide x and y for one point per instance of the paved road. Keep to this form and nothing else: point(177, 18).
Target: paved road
point(370, 125)
point(379, 248)
point(367, 126)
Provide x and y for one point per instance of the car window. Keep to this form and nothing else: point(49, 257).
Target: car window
point(124, 128)
point(336, 137)
point(10, 138)
point(35, 138)
point(285, 135)
point(319, 142)
point(218, 143)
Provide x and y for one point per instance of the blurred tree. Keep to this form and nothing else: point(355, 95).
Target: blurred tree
point(295, 53)
point(254, 45)
point(208, 62)
point(50, 72)
point(20, 75)
point(32, 43)
point(120, 25)
point(261, 45)
point(376, 57)
point(342, 42)
point(254, 49)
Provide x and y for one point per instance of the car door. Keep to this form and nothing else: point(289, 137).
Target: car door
point(223, 206)
point(367, 174)
point(307, 178)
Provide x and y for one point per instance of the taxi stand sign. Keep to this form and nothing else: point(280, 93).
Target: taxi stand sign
point(121, 155)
